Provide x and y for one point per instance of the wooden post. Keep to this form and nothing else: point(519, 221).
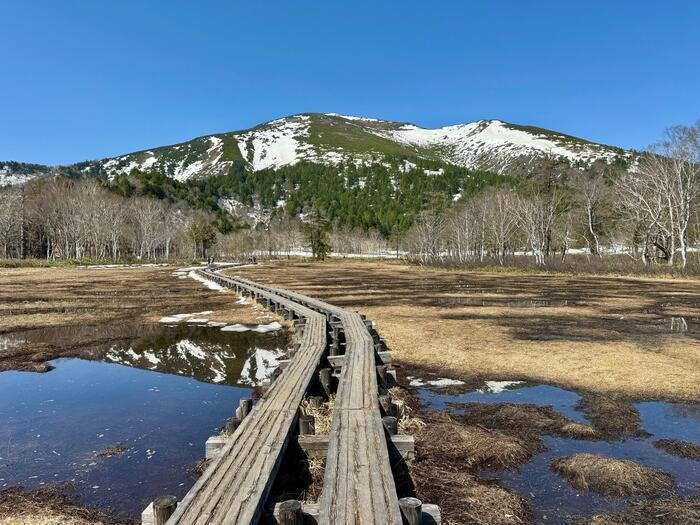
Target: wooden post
point(391, 424)
point(381, 372)
point(325, 375)
point(245, 404)
point(231, 426)
point(411, 511)
point(290, 513)
point(163, 508)
point(315, 401)
point(388, 406)
point(306, 425)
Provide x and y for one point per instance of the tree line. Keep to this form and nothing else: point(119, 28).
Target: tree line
point(81, 219)
point(649, 213)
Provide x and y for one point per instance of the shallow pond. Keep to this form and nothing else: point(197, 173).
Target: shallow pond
point(178, 387)
point(553, 499)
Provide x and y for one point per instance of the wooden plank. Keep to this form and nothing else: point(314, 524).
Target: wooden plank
point(431, 513)
point(317, 445)
point(234, 488)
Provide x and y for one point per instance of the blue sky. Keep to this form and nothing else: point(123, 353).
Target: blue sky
point(90, 79)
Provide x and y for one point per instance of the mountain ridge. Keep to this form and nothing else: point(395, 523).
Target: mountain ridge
point(334, 139)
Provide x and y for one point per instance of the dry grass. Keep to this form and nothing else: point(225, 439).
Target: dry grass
point(51, 312)
point(612, 416)
point(474, 448)
point(49, 506)
point(526, 420)
point(663, 511)
point(322, 415)
point(611, 476)
point(679, 448)
point(598, 334)
point(465, 499)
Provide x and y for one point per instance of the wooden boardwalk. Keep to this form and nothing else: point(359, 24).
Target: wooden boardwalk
point(358, 485)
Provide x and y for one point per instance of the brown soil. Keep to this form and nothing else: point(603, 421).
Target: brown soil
point(665, 511)
point(525, 420)
point(48, 506)
point(47, 313)
point(586, 333)
point(612, 416)
point(679, 448)
point(611, 476)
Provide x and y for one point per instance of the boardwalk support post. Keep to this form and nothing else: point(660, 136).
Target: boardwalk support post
point(325, 375)
point(388, 406)
point(306, 425)
point(315, 401)
point(391, 424)
point(245, 404)
point(290, 513)
point(163, 508)
point(411, 511)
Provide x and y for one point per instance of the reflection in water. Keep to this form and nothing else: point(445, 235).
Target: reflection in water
point(204, 353)
point(553, 499)
point(53, 425)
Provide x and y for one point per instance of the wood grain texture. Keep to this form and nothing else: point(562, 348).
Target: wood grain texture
point(234, 488)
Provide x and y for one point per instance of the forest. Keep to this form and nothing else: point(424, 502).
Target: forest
point(428, 212)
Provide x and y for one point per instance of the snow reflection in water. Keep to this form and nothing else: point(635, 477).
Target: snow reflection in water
point(52, 425)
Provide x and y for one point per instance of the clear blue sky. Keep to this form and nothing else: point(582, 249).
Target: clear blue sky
point(96, 78)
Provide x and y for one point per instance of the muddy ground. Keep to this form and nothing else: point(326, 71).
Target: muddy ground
point(635, 337)
point(47, 313)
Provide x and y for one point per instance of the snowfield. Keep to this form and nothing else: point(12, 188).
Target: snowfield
point(469, 145)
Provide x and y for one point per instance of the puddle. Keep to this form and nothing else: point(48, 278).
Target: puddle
point(159, 396)
point(553, 499)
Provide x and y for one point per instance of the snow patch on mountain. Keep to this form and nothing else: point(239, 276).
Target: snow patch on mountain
point(492, 144)
point(278, 143)
point(350, 117)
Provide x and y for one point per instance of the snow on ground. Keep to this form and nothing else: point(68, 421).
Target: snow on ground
point(206, 282)
point(442, 382)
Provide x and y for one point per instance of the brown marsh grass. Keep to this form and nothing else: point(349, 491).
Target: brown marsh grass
point(583, 332)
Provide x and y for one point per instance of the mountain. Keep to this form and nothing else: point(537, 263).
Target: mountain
point(332, 139)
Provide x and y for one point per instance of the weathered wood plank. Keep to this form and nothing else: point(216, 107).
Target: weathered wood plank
point(234, 488)
point(317, 445)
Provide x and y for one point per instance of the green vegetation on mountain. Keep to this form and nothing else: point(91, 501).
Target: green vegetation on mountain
point(378, 196)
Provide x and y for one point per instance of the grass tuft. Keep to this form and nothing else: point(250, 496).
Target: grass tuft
point(611, 476)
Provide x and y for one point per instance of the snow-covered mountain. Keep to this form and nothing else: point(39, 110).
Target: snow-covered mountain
point(333, 139)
